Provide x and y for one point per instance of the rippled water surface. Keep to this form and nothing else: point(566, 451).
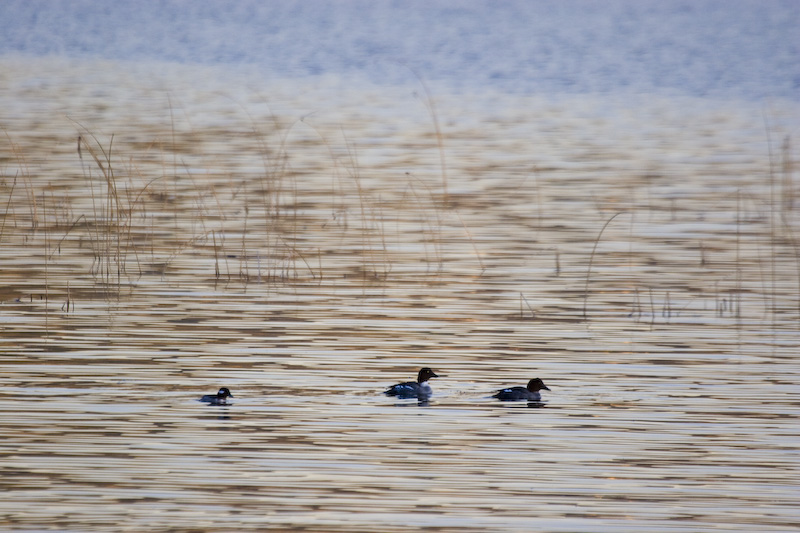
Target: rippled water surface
point(308, 252)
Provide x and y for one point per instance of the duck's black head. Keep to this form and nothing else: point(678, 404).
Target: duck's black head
point(425, 374)
point(223, 393)
point(536, 384)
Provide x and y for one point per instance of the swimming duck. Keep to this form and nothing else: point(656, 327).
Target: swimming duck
point(220, 398)
point(411, 389)
point(530, 393)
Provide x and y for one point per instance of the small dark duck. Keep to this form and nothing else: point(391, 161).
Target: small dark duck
point(220, 398)
point(419, 389)
point(529, 393)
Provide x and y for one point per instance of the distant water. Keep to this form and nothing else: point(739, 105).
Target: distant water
point(723, 49)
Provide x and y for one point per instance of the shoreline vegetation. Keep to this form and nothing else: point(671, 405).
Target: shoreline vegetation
point(573, 214)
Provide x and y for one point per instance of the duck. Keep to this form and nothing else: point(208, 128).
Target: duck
point(420, 389)
point(529, 393)
point(220, 398)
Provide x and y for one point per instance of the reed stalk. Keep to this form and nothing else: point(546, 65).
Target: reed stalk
point(591, 259)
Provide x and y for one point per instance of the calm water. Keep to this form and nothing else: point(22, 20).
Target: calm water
point(709, 48)
point(307, 241)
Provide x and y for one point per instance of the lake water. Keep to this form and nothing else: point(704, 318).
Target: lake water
point(175, 220)
point(709, 48)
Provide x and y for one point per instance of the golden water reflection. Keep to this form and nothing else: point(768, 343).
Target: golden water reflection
point(309, 264)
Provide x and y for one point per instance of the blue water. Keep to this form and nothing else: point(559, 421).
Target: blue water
point(728, 48)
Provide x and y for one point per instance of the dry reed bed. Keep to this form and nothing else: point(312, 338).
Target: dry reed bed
point(567, 225)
